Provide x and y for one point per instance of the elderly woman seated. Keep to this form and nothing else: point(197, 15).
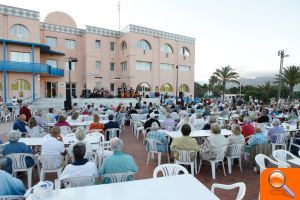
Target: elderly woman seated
point(33, 128)
point(118, 162)
point(214, 141)
point(81, 166)
point(159, 136)
point(80, 136)
point(62, 121)
point(258, 138)
point(185, 120)
point(198, 122)
point(16, 147)
point(275, 130)
point(96, 124)
point(168, 123)
point(236, 137)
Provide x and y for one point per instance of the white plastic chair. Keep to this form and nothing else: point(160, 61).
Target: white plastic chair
point(16, 113)
point(234, 151)
point(152, 144)
point(185, 158)
point(240, 185)
point(260, 160)
point(79, 181)
point(18, 161)
point(280, 141)
point(5, 117)
point(219, 157)
point(64, 130)
point(50, 163)
point(118, 177)
point(281, 155)
point(94, 139)
point(12, 197)
point(169, 170)
point(293, 142)
point(112, 132)
point(104, 151)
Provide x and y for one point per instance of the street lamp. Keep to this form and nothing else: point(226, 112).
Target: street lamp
point(176, 84)
point(282, 56)
point(68, 102)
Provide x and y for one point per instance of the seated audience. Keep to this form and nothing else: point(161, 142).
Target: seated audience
point(20, 124)
point(73, 118)
point(199, 123)
point(81, 166)
point(33, 129)
point(149, 122)
point(236, 137)
point(38, 117)
point(10, 185)
point(184, 120)
point(109, 125)
point(276, 129)
point(96, 125)
point(168, 123)
point(185, 142)
point(25, 111)
point(247, 128)
point(118, 162)
point(50, 117)
point(264, 117)
point(211, 121)
point(258, 138)
point(14, 146)
point(62, 121)
point(80, 136)
point(159, 136)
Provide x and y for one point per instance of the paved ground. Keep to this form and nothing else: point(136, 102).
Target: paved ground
point(137, 150)
point(4, 129)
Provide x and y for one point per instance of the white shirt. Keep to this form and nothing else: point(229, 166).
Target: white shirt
point(88, 169)
point(51, 145)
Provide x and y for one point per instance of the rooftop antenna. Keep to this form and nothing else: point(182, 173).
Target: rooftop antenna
point(119, 12)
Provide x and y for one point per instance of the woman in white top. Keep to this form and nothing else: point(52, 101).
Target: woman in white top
point(80, 136)
point(185, 120)
point(81, 166)
point(236, 137)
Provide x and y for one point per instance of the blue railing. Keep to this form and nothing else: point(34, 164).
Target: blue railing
point(26, 67)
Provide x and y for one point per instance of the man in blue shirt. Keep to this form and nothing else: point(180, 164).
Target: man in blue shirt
point(10, 185)
point(20, 124)
point(118, 162)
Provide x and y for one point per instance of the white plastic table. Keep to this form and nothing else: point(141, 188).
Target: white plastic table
point(38, 141)
point(197, 133)
point(172, 187)
point(85, 123)
point(295, 161)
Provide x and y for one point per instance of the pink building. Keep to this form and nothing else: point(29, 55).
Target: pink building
point(34, 57)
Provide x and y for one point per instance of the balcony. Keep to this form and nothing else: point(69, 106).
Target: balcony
point(25, 67)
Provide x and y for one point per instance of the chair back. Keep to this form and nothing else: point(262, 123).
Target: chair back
point(186, 156)
point(260, 160)
point(283, 155)
point(118, 177)
point(169, 170)
point(94, 138)
point(235, 150)
point(152, 145)
point(36, 131)
point(170, 128)
point(240, 185)
point(280, 138)
point(18, 160)
point(79, 181)
point(51, 161)
point(113, 132)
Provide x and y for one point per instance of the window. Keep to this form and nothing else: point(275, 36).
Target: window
point(19, 56)
point(98, 44)
point(123, 46)
point(112, 87)
point(166, 48)
point(184, 51)
point(166, 66)
point(51, 41)
point(19, 31)
point(143, 87)
point(143, 66)
point(112, 66)
point(98, 85)
point(70, 44)
point(124, 66)
point(183, 68)
point(143, 45)
point(184, 88)
point(73, 66)
point(52, 63)
point(112, 46)
point(167, 87)
point(98, 65)
point(73, 89)
point(20, 85)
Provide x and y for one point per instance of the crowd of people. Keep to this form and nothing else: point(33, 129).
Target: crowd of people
point(246, 120)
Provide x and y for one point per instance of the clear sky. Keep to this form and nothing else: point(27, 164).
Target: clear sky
point(245, 34)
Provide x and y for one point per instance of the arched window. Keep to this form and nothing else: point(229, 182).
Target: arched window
point(166, 48)
point(0, 86)
point(167, 87)
point(20, 85)
point(143, 45)
point(184, 51)
point(19, 31)
point(143, 87)
point(123, 45)
point(184, 88)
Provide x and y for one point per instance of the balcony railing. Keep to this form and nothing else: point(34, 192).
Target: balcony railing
point(25, 67)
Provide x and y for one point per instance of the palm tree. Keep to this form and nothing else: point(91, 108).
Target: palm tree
point(291, 77)
point(267, 87)
point(226, 75)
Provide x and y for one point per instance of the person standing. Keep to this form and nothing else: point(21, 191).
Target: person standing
point(25, 110)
